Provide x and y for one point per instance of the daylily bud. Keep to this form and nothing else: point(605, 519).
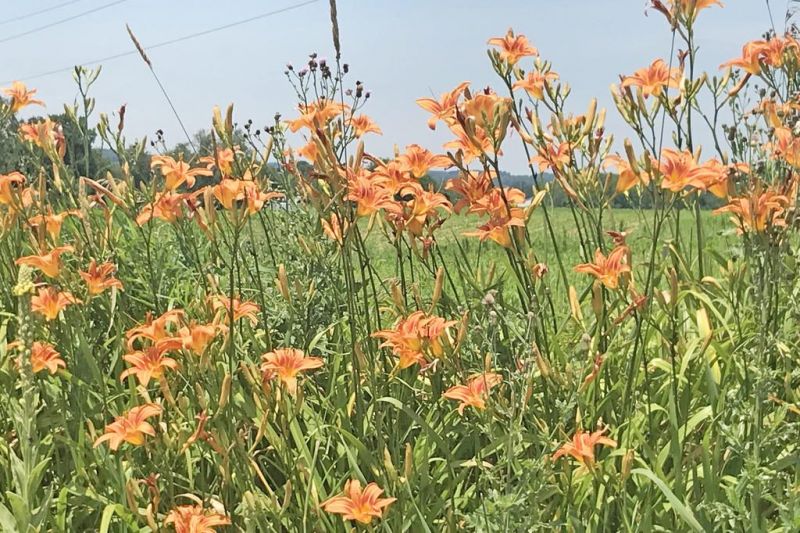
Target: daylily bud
point(282, 283)
point(408, 463)
point(225, 392)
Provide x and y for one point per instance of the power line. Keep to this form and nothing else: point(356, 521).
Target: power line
point(62, 21)
point(168, 42)
point(39, 12)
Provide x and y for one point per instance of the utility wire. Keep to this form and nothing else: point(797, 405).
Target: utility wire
point(39, 12)
point(167, 43)
point(61, 21)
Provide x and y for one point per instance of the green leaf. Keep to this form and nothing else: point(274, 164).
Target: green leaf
point(680, 509)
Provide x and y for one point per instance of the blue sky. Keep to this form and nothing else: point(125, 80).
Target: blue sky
point(401, 50)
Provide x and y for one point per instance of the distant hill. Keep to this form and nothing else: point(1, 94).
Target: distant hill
point(518, 181)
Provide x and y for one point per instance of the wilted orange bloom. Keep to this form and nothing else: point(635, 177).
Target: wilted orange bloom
point(197, 337)
point(418, 160)
point(535, 83)
point(513, 47)
point(679, 170)
point(100, 278)
point(20, 96)
point(653, 79)
point(443, 109)
point(628, 177)
point(167, 206)
point(175, 172)
point(11, 187)
point(423, 207)
point(44, 356)
point(316, 115)
point(49, 302)
point(475, 392)
point(607, 270)
point(154, 329)
point(151, 363)
point(362, 125)
point(553, 157)
point(757, 212)
point(415, 337)
point(195, 519)
point(471, 187)
point(130, 427)
point(355, 504)
point(49, 263)
point(46, 134)
point(53, 222)
point(223, 160)
point(222, 304)
point(582, 446)
point(334, 228)
point(286, 364)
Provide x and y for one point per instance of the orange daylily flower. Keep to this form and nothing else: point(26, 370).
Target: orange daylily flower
point(255, 198)
point(582, 446)
point(553, 157)
point(46, 134)
point(535, 83)
point(487, 110)
point(418, 160)
point(716, 175)
point(679, 170)
point(653, 79)
point(471, 187)
point(286, 364)
point(197, 337)
point(21, 96)
point(786, 146)
point(130, 427)
point(423, 207)
point(471, 146)
point(10, 187)
point(45, 357)
point(316, 115)
point(154, 329)
point(151, 363)
point(757, 212)
point(357, 504)
point(49, 263)
point(49, 302)
point(195, 519)
point(362, 125)
point(99, 278)
point(53, 222)
point(751, 58)
point(497, 229)
point(415, 337)
point(475, 392)
point(167, 206)
point(177, 172)
point(368, 194)
point(628, 176)
point(607, 270)
point(223, 160)
point(309, 151)
point(513, 47)
point(443, 109)
point(222, 304)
